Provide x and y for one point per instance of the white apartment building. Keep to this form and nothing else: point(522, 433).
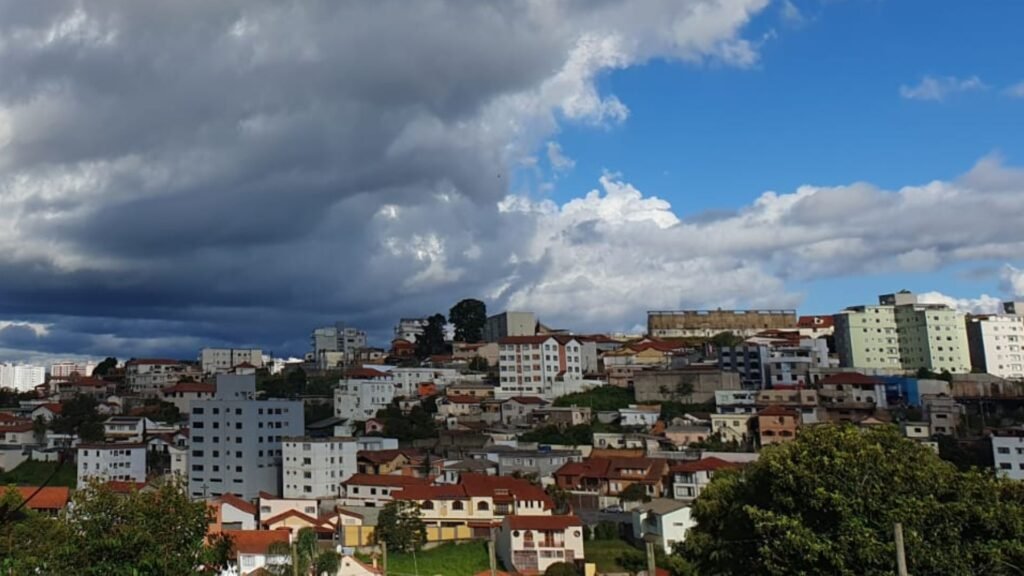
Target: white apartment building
point(316, 467)
point(236, 440)
point(360, 399)
point(66, 368)
point(1008, 453)
point(222, 360)
point(337, 345)
point(146, 377)
point(995, 343)
point(531, 365)
point(21, 377)
point(105, 462)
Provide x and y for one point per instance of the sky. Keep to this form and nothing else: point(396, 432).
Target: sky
point(189, 174)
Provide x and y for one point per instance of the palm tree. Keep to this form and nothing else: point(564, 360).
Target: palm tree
point(304, 557)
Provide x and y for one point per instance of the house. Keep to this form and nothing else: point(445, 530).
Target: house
point(777, 424)
point(381, 462)
point(351, 566)
point(47, 411)
point(46, 500)
point(1008, 452)
point(233, 513)
point(373, 426)
point(478, 390)
point(127, 428)
point(663, 520)
point(625, 441)
point(530, 544)
point(458, 406)
point(684, 435)
point(612, 476)
point(454, 469)
point(733, 427)
point(182, 393)
point(542, 462)
point(271, 506)
point(293, 521)
point(735, 401)
point(690, 477)
point(942, 412)
point(639, 416)
point(18, 433)
point(147, 376)
point(375, 490)
point(124, 461)
point(249, 549)
point(561, 416)
point(516, 411)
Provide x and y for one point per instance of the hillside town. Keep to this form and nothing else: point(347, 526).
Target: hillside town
point(550, 445)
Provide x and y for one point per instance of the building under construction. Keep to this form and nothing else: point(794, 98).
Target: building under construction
point(707, 323)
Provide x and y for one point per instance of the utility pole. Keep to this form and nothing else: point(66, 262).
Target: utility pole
point(491, 556)
point(651, 568)
point(384, 558)
point(901, 558)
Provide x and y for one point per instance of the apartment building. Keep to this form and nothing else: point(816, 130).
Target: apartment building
point(21, 377)
point(994, 342)
point(689, 478)
point(361, 399)
point(236, 440)
point(708, 323)
point(781, 361)
point(67, 368)
point(942, 413)
point(1008, 452)
point(509, 324)
point(316, 467)
point(531, 365)
point(336, 346)
point(105, 462)
point(866, 337)
point(223, 360)
point(146, 377)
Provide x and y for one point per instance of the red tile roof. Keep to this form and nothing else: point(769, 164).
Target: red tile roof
point(528, 400)
point(191, 387)
point(365, 373)
point(235, 501)
point(702, 465)
point(422, 492)
point(480, 485)
point(612, 469)
point(776, 410)
point(48, 498)
point(255, 541)
point(385, 456)
point(542, 522)
point(384, 480)
point(53, 407)
point(17, 427)
point(815, 322)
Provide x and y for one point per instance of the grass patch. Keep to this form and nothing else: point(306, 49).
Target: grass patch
point(466, 559)
point(33, 473)
point(602, 398)
point(606, 553)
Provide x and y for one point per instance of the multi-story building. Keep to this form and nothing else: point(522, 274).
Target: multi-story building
point(776, 361)
point(866, 338)
point(337, 345)
point(67, 368)
point(409, 329)
point(375, 490)
point(639, 416)
point(509, 324)
point(105, 462)
point(995, 344)
point(146, 377)
point(541, 463)
point(183, 393)
point(530, 544)
point(942, 412)
point(236, 440)
point(531, 365)
point(777, 424)
point(815, 326)
point(708, 323)
point(21, 377)
point(316, 467)
point(223, 360)
point(360, 399)
point(1008, 452)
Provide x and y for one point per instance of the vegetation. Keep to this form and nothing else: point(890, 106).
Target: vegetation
point(416, 425)
point(926, 374)
point(317, 411)
point(606, 553)
point(431, 342)
point(468, 317)
point(159, 533)
point(579, 435)
point(294, 383)
point(725, 340)
point(670, 410)
point(305, 557)
point(561, 569)
point(600, 399)
point(11, 397)
point(606, 530)
point(161, 411)
point(400, 527)
point(108, 364)
point(449, 559)
point(35, 473)
point(635, 493)
point(478, 364)
point(79, 416)
point(826, 503)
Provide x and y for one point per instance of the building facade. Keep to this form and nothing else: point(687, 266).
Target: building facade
point(223, 360)
point(531, 365)
point(68, 368)
point(1008, 453)
point(337, 345)
point(105, 462)
point(21, 377)
point(316, 467)
point(995, 342)
point(509, 324)
point(708, 323)
point(146, 377)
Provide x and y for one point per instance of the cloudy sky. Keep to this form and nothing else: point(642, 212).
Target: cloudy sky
point(190, 173)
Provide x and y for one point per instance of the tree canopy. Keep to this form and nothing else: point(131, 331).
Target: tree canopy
point(468, 317)
point(431, 341)
point(400, 527)
point(101, 369)
point(827, 502)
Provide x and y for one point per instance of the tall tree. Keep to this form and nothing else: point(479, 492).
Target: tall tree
point(108, 364)
point(431, 342)
point(305, 557)
point(469, 317)
point(400, 527)
point(826, 503)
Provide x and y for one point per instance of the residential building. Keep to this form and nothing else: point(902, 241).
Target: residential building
point(708, 323)
point(995, 344)
point(48, 500)
point(316, 467)
point(336, 346)
point(777, 424)
point(409, 329)
point(735, 401)
point(271, 506)
point(21, 377)
point(639, 416)
point(233, 513)
point(223, 360)
point(852, 396)
point(479, 390)
point(692, 384)
point(815, 326)
point(105, 462)
point(375, 490)
point(128, 428)
point(530, 365)
point(805, 402)
point(542, 462)
point(732, 427)
point(509, 324)
point(611, 476)
point(683, 435)
point(183, 393)
point(146, 377)
point(690, 477)
point(361, 399)
point(518, 410)
point(530, 544)
point(236, 440)
point(67, 368)
point(866, 337)
point(250, 550)
point(561, 416)
point(942, 413)
point(1008, 452)
point(663, 520)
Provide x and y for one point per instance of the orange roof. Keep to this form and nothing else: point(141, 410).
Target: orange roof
point(776, 410)
point(17, 427)
point(255, 541)
point(385, 456)
point(542, 522)
point(495, 486)
point(53, 407)
point(462, 399)
point(704, 464)
point(815, 322)
point(235, 501)
point(48, 498)
point(384, 480)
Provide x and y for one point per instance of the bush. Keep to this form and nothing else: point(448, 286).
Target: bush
point(606, 530)
point(561, 569)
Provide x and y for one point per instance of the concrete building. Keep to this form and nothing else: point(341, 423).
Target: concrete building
point(1008, 452)
point(529, 544)
point(183, 393)
point(663, 520)
point(531, 365)
point(21, 377)
point(995, 343)
point(777, 424)
point(316, 467)
point(146, 377)
point(338, 345)
point(776, 361)
point(509, 324)
point(66, 368)
point(866, 338)
point(708, 323)
point(942, 413)
point(693, 384)
point(223, 360)
point(360, 399)
point(542, 462)
point(815, 326)
point(236, 440)
point(409, 329)
point(638, 416)
point(106, 462)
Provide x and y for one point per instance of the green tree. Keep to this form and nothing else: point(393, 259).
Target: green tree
point(304, 557)
point(39, 427)
point(599, 399)
point(468, 317)
point(826, 503)
point(561, 569)
point(478, 364)
point(400, 526)
point(104, 367)
point(635, 493)
point(431, 342)
point(79, 416)
point(726, 340)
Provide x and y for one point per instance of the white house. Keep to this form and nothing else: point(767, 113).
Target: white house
point(375, 490)
point(530, 544)
point(316, 467)
point(233, 513)
point(664, 520)
point(639, 416)
point(1008, 453)
point(128, 428)
point(249, 550)
point(105, 462)
point(691, 476)
point(361, 399)
point(530, 365)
